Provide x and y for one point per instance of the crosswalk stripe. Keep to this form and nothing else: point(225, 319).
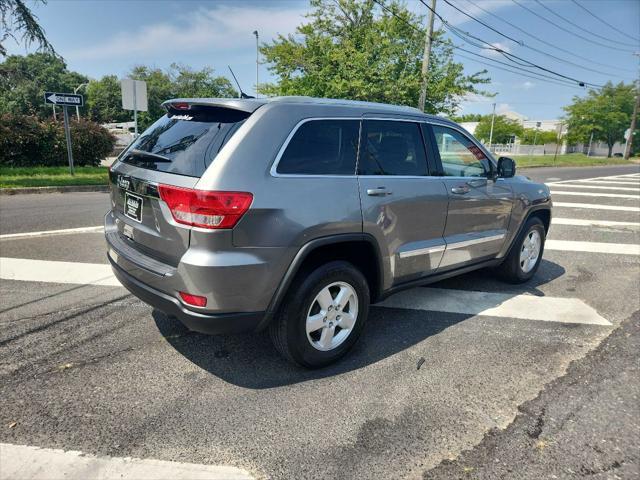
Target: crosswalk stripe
point(600, 187)
point(593, 247)
point(592, 223)
point(606, 182)
point(599, 194)
point(47, 233)
point(596, 206)
point(35, 463)
point(527, 307)
point(28, 270)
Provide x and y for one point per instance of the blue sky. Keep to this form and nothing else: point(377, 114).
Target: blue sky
point(98, 37)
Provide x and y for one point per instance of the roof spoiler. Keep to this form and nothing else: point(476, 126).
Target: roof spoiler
point(242, 105)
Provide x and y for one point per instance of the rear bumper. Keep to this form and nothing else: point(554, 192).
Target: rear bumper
point(219, 323)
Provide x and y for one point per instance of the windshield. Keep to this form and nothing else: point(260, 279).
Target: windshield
point(184, 142)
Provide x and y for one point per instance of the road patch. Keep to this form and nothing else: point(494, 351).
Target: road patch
point(593, 247)
point(596, 206)
point(48, 233)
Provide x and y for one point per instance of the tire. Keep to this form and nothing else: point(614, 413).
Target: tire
point(514, 269)
point(315, 349)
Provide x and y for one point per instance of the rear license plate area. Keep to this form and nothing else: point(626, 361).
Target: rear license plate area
point(133, 206)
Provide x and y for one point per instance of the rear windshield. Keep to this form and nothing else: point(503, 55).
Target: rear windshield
point(184, 142)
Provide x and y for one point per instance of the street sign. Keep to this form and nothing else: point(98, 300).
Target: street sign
point(62, 99)
point(134, 94)
point(134, 97)
point(65, 100)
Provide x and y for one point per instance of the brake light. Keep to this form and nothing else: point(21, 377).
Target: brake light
point(201, 208)
point(195, 300)
point(180, 106)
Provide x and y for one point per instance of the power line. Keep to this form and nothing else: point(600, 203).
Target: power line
point(533, 12)
point(529, 74)
point(606, 23)
point(509, 56)
point(521, 43)
point(579, 27)
point(549, 44)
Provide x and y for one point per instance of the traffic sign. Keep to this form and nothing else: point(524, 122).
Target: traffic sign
point(68, 99)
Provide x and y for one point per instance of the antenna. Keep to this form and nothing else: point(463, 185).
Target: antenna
point(242, 94)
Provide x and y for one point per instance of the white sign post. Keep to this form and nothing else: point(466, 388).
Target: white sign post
point(134, 97)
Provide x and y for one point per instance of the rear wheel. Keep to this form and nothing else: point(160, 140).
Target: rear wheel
point(323, 317)
point(525, 256)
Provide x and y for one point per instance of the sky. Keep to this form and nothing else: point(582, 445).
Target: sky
point(99, 37)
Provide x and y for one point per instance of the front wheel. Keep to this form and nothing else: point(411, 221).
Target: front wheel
point(525, 255)
point(323, 317)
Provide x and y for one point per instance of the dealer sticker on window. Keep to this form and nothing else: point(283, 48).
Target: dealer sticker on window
point(133, 206)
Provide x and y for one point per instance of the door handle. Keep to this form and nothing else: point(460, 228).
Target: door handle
point(460, 189)
point(378, 192)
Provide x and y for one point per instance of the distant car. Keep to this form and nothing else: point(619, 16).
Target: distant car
point(294, 214)
point(619, 155)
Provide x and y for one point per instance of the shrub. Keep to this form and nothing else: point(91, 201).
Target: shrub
point(26, 141)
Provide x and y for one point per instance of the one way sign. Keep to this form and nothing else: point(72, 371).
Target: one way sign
point(68, 99)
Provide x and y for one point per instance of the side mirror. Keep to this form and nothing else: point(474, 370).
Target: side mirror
point(506, 167)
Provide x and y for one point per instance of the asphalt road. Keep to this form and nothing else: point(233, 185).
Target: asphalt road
point(91, 368)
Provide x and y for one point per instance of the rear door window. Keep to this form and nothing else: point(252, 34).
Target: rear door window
point(322, 147)
point(184, 142)
point(392, 148)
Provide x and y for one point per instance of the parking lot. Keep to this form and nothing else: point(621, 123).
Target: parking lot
point(86, 366)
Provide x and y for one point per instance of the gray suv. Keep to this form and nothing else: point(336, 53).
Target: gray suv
point(294, 214)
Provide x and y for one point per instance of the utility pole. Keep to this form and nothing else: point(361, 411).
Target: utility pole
point(75, 90)
point(426, 55)
point(590, 143)
point(255, 32)
point(493, 117)
point(634, 116)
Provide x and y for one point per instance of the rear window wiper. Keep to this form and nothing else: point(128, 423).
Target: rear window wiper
point(151, 156)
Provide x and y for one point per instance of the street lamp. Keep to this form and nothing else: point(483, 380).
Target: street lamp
point(75, 90)
point(255, 32)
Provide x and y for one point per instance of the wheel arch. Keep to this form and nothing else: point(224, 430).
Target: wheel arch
point(354, 248)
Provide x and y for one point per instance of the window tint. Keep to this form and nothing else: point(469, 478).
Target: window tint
point(322, 147)
point(392, 148)
point(184, 142)
point(460, 156)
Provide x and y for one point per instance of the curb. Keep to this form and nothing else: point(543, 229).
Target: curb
point(65, 189)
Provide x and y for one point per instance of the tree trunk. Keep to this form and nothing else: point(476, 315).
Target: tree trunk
point(610, 149)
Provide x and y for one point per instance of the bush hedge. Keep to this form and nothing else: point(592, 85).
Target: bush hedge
point(26, 141)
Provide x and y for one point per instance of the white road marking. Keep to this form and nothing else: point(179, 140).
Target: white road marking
point(600, 187)
point(47, 233)
point(596, 206)
point(528, 307)
point(592, 194)
point(606, 182)
point(593, 247)
point(21, 462)
point(592, 223)
point(28, 270)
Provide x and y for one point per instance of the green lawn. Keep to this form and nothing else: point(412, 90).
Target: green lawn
point(569, 160)
point(52, 176)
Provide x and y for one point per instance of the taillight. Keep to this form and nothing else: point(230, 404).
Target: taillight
point(195, 300)
point(181, 106)
point(201, 208)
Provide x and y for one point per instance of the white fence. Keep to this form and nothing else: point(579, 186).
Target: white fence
point(519, 149)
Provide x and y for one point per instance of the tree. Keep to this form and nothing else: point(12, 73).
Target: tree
point(606, 113)
point(539, 137)
point(24, 79)
point(104, 101)
point(467, 117)
point(503, 129)
point(350, 49)
point(17, 19)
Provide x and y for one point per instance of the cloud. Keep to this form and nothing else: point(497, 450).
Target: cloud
point(503, 107)
point(527, 85)
point(495, 53)
point(206, 29)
